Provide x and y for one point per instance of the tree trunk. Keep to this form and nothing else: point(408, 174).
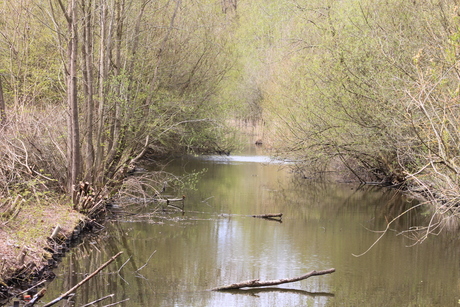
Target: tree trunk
point(103, 71)
point(87, 51)
point(115, 118)
point(74, 157)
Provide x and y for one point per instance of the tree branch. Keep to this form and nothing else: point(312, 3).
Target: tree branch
point(257, 283)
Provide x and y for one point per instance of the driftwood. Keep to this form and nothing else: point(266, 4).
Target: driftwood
point(258, 283)
point(56, 300)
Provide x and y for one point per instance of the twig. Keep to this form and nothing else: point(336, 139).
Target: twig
point(123, 264)
point(82, 282)
point(19, 294)
point(98, 300)
point(385, 231)
point(118, 272)
point(146, 262)
point(127, 299)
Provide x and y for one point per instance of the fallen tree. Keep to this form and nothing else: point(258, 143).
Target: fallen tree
point(257, 283)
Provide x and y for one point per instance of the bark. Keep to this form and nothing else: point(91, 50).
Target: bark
point(257, 283)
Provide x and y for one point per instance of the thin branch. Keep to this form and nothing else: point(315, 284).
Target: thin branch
point(116, 303)
point(146, 262)
point(56, 300)
point(98, 300)
point(386, 229)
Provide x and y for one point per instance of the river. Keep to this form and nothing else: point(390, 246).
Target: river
point(172, 259)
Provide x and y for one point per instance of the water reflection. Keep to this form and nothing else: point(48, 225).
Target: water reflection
point(241, 159)
point(173, 260)
point(257, 292)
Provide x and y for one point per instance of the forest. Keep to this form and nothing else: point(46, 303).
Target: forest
point(88, 88)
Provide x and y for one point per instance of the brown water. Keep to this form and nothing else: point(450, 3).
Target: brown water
point(216, 242)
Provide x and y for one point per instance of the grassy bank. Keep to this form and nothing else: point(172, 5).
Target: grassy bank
point(25, 232)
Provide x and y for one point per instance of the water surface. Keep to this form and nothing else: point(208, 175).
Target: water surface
point(173, 259)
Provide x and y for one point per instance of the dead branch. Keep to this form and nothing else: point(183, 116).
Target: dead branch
point(257, 283)
point(56, 300)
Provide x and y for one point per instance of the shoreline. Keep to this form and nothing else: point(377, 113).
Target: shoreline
point(28, 254)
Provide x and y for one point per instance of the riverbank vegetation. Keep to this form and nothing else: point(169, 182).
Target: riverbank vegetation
point(89, 87)
point(371, 88)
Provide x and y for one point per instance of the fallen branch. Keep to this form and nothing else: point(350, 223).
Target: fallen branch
point(56, 300)
point(258, 283)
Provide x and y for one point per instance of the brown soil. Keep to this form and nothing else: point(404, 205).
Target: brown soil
point(24, 238)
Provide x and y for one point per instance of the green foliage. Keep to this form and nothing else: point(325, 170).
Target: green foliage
point(341, 87)
point(146, 71)
point(371, 84)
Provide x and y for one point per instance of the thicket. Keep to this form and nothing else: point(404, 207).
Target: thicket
point(372, 87)
point(90, 86)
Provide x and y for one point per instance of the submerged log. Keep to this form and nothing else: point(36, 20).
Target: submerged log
point(257, 283)
point(170, 200)
point(270, 216)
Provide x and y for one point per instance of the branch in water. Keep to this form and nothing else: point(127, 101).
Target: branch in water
point(258, 283)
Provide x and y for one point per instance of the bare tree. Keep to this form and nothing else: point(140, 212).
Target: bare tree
point(73, 147)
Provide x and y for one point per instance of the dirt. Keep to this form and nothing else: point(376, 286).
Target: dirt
point(25, 246)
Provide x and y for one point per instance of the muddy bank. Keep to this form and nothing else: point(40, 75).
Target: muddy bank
point(28, 253)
